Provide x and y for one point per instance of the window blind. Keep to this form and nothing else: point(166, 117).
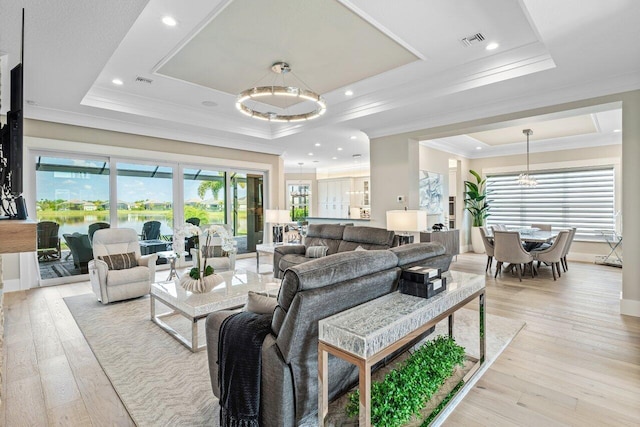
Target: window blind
point(566, 198)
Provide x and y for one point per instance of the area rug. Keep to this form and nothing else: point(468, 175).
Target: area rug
point(160, 382)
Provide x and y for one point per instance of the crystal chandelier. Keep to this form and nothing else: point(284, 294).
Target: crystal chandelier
point(302, 190)
point(526, 180)
point(280, 94)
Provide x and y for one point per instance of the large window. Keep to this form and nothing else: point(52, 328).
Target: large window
point(71, 194)
point(205, 196)
point(145, 193)
point(582, 198)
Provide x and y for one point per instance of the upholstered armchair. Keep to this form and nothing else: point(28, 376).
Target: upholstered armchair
point(118, 271)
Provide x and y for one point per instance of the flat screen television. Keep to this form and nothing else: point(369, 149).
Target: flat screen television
point(12, 137)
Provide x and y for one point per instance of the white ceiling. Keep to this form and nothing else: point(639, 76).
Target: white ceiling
point(550, 52)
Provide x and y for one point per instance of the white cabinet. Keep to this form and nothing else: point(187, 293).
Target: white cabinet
point(337, 196)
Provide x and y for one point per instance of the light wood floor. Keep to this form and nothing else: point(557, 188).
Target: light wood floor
point(577, 362)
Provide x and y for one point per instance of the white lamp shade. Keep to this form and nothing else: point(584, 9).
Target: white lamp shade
point(277, 216)
point(402, 220)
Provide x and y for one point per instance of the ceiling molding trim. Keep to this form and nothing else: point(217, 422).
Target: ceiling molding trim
point(407, 94)
point(384, 30)
point(526, 102)
point(555, 144)
point(121, 102)
point(156, 131)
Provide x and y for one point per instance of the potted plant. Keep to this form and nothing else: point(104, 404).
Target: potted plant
point(475, 202)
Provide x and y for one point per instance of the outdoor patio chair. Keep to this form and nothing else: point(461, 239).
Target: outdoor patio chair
point(150, 230)
point(80, 248)
point(95, 227)
point(48, 240)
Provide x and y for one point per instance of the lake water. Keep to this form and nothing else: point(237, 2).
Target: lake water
point(80, 224)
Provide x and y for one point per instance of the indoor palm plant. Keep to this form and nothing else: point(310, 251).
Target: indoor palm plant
point(475, 202)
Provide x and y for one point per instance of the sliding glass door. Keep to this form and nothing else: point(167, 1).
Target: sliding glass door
point(205, 196)
point(71, 195)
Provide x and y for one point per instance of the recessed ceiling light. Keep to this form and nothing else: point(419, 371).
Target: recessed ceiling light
point(492, 46)
point(169, 21)
point(348, 93)
point(316, 161)
point(334, 158)
point(311, 154)
point(117, 82)
point(317, 144)
point(617, 130)
point(353, 137)
point(339, 148)
point(209, 103)
point(478, 148)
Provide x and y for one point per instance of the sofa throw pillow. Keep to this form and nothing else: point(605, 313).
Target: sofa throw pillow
point(316, 251)
point(259, 303)
point(120, 261)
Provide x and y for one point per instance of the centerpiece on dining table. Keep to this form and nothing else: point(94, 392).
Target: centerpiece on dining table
point(201, 277)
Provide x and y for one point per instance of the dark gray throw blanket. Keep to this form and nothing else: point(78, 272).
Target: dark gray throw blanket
point(239, 368)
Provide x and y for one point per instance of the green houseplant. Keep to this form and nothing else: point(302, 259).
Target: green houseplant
point(475, 202)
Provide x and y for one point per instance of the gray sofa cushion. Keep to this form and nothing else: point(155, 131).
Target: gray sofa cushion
point(408, 254)
point(291, 260)
point(367, 237)
point(329, 235)
point(323, 272)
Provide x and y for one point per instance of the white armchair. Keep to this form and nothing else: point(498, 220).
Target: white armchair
point(111, 285)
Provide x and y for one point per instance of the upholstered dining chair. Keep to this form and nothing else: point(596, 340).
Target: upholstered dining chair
point(542, 227)
point(563, 260)
point(499, 227)
point(553, 254)
point(118, 271)
point(507, 248)
point(488, 248)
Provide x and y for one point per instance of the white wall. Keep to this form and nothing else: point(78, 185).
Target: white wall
point(395, 165)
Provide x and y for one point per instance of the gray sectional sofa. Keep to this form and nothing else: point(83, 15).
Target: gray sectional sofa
point(340, 238)
point(311, 291)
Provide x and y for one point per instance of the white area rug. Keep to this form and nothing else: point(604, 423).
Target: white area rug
point(162, 383)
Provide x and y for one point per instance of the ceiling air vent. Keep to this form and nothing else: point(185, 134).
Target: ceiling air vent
point(471, 40)
point(143, 80)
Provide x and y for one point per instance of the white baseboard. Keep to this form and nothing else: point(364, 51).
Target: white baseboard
point(581, 257)
point(11, 285)
point(630, 307)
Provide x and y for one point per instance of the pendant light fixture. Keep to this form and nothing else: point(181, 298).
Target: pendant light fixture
point(287, 94)
point(525, 179)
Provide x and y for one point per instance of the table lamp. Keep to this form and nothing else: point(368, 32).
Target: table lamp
point(405, 221)
point(277, 217)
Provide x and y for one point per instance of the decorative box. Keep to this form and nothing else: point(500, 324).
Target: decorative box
point(420, 274)
point(423, 290)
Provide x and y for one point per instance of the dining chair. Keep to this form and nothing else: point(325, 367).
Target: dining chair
point(499, 227)
point(488, 247)
point(542, 227)
point(553, 254)
point(507, 248)
point(563, 260)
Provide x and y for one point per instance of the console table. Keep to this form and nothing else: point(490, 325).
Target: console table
point(365, 334)
point(449, 238)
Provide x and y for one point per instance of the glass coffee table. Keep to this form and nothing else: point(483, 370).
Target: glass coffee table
point(231, 293)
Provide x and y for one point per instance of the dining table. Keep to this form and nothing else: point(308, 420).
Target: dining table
point(528, 235)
